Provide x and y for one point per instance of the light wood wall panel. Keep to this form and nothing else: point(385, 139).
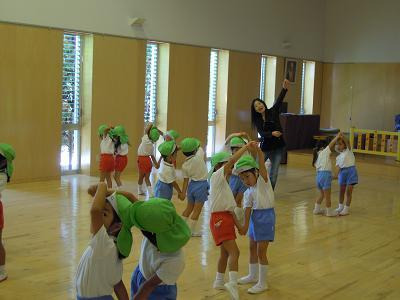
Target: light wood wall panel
point(318, 81)
point(189, 75)
point(30, 99)
point(360, 95)
point(243, 86)
point(117, 91)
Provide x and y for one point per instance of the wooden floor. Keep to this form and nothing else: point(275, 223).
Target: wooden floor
point(313, 257)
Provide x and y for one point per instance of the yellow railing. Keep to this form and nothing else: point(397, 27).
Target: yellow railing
point(375, 142)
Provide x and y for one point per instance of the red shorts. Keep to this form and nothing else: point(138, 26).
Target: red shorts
point(1, 216)
point(107, 163)
point(120, 162)
point(222, 227)
point(144, 164)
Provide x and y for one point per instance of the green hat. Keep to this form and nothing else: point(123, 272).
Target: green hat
point(218, 158)
point(154, 134)
point(167, 148)
point(245, 163)
point(237, 142)
point(119, 130)
point(171, 134)
point(9, 153)
point(101, 129)
point(190, 144)
point(157, 216)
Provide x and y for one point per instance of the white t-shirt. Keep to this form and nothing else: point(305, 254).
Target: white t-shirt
point(99, 268)
point(146, 147)
point(194, 167)
point(221, 196)
point(167, 172)
point(167, 266)
point(345, 159)
point(123, 149)
point(260, 196)
point(323, 162)
point(107, 145)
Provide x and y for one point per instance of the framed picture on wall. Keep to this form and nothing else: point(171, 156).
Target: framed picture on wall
point(290, 70)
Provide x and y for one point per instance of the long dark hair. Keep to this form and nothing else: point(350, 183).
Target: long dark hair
point(256, 118)
point(321, 144)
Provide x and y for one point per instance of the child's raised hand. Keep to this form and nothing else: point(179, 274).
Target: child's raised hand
point(253, 145)
point(93, 188)
point(286, 84)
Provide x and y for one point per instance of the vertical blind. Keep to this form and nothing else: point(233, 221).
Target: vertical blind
point(263, 76)
point(150, 98)
point(71, 79)
point(212, 96)
point(303, 73)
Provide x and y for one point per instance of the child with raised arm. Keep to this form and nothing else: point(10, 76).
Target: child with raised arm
point(348, 176)
point(322, 162)
point(146, 158)
point(223, 219)
point(259, 217)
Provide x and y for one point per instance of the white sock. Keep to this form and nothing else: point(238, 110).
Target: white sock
point(340, 206)
point(192, 225)
point(220, 276)
point(262, 279)
point(2, 269)
point(317, 206)
point(253, 270)
point(233, 276)
point(150, 191)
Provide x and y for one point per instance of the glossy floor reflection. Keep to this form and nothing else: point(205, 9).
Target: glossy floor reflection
point(313, 257)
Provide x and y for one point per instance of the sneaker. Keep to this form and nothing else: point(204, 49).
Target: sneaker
point(331, 212)
point(320, 211)
point(248, 279)
point(232, 290)
point(338, 210)
point(219, 285)
point(344, 212)
point(3, 276)
point(196, 234)
point(257, 289)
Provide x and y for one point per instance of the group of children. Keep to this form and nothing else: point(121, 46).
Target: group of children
point(240, 195)
point(346, 174)
point(114, 147)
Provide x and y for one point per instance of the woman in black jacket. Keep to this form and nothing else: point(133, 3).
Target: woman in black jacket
point(267, 123)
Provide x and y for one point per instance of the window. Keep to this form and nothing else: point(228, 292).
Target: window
point(150, 98)
point(71, 104)
point(267, 81)
point(307, 87)
point(212, 100)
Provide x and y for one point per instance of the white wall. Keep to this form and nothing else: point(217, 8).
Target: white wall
point(362, 31)
point(249, 25)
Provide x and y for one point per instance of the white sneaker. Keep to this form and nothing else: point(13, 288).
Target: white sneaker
point(3, 276)
point(248, 279)
point(320, 211)
point(257, 289)
point(331, 212)
point(196, 234)
point(344, 212)
point(232, 290)
point(338, 210)
point(219, 285)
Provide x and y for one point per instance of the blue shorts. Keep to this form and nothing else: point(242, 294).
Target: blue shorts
point(236, 185)
point(95, 298)
point(163, 291)
point(324, 180)
point(163, 190)
point(348, 176)
point(198, 191)
point(262, 225)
